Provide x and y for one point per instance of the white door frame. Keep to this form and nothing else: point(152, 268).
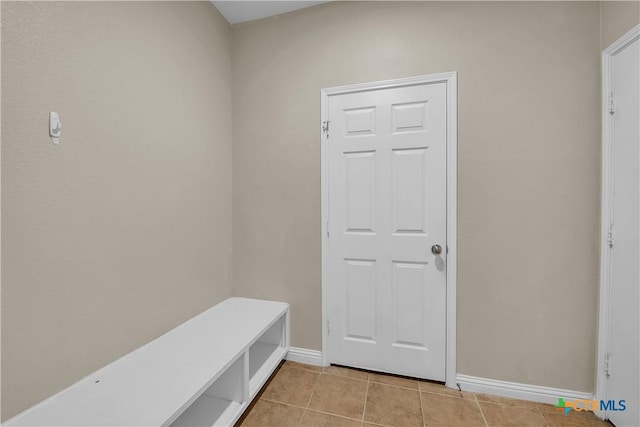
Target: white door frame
point(450, 79)
point(606, 213)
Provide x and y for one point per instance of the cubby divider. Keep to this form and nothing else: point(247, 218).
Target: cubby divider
point(266, 352)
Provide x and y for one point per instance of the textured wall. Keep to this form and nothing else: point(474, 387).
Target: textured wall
point(528, 166)
point(123, 230)
point(617, 17)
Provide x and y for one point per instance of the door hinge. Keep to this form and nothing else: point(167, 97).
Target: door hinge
point(610, 238)
point(606, 365)
point(325, 128)
point(612, 111)
point(327, 228)
point(328, 327)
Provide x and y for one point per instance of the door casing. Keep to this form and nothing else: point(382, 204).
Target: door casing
point(604, 307)
point(450, 78)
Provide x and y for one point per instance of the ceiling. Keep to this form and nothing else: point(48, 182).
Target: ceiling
point(237, 11)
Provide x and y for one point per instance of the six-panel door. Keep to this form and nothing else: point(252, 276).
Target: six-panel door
point(387, 209)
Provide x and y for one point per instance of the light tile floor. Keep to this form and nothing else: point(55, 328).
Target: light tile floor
point(303, 395)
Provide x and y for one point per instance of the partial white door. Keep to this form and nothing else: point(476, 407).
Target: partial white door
point(386, 301)
point(624, 357)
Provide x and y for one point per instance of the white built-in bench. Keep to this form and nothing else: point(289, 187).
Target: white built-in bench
point(205, 372)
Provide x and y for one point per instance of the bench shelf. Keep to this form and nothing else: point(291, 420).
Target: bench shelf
point(204, 372)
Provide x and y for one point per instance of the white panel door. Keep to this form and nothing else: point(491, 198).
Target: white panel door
point(624, 357)
point(387, 209)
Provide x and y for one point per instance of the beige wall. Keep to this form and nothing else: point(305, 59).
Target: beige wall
point(528, 196)
point(123, 230)
point(617, 17)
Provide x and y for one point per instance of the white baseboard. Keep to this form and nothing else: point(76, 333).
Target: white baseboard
point(519, 391)
point(306, 356)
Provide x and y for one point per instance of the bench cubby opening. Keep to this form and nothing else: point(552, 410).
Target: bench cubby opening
point(264, 353)
point(220, 402)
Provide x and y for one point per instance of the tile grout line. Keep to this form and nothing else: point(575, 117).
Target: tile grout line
point(421, 407)
point(302, 417)
point(313, 410)
point(345, 376)
point(475, 397)
point(543, 413)
point(395, 385)
point(366, 395)
point(315, 384)
point(334, 415)
point(282, 403)
point(315, 371)
point(539, 410)
point(317, 410)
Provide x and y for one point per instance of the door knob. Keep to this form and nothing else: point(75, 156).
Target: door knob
point(436, 249)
